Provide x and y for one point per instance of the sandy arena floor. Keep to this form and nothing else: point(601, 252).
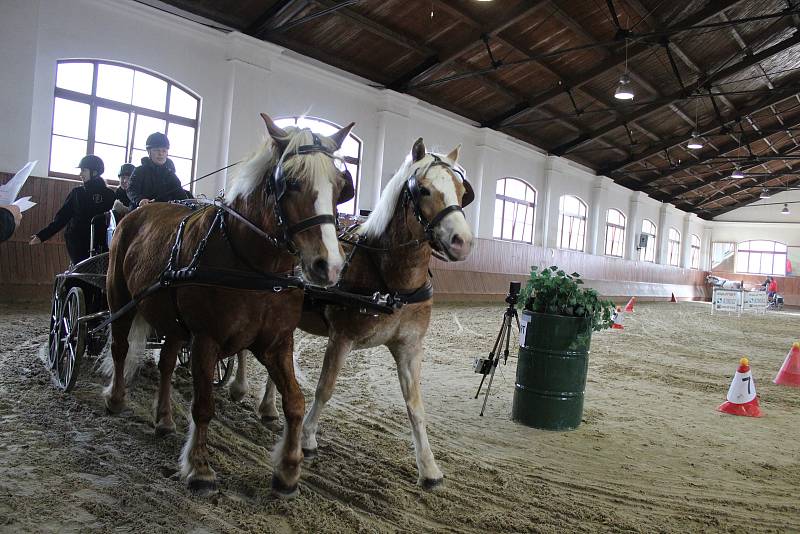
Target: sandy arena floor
point(652, 454)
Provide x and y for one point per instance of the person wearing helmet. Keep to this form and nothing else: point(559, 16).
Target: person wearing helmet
point(81, 205)
point(155, 180)
point(124, 176)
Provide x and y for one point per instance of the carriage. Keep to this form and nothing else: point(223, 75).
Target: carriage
point(79, 309)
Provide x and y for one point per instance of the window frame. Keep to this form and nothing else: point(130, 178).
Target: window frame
point(652, 241)
point(673, 246)
point(694, 258)
point(581, 218)
point(348, 159)
point(528, 205)
point(773, 253)
point(611, 230)
point(94, 101)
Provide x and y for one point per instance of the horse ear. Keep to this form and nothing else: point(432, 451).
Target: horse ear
point(453, 155)
point(277, 133)
point(418, 151)
point(339, 137)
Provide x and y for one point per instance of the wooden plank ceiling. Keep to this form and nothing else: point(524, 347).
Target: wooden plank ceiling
point(545, 71)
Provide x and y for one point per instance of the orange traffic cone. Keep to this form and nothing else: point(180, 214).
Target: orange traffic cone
point(742, 398)
point(619, 316)
point(629, 305)
point(673, 298)
point(789, 375)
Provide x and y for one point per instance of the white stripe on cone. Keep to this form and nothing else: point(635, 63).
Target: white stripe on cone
point(743, 388)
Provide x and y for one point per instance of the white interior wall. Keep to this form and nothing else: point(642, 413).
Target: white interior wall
point(237, 77)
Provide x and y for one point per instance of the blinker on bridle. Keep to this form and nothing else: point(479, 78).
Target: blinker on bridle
point(277, 186)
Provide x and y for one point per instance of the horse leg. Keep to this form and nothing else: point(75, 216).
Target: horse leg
point(200, 477)
point(266, 410)
point(287, 457)
point(335, 353)
point(166, 366)
point(114, 393)
point(238, 388)
point(409, 364)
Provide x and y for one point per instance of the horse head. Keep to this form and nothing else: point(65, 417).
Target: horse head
point(438, 191)
point(300, 180)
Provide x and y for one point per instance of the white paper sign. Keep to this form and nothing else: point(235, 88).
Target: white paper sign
point(726, 300)
point(10, 190)
point(523, 327)
point(755, 301)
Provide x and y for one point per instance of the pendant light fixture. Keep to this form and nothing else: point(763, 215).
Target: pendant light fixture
point(624, 90)
point(695, 143)
point(764, 193)
point(785, 210)
point(737, 173)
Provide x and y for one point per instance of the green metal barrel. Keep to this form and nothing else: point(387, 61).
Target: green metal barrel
point(551, 371)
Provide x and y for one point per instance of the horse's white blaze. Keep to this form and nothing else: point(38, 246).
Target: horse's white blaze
point(454, 223)
point(322, 206)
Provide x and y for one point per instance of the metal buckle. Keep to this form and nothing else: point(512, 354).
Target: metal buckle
point(277, 289)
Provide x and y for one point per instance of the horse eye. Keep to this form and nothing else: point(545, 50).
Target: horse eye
point(293, 185)
point(424, 191)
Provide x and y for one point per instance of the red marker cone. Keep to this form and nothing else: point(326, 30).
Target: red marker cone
point(789, 375)
point(619, 316)
point(742, 398)
point(673, 298)
point(629, 305)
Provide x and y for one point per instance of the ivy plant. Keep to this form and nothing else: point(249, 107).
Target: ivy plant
point(551, 290)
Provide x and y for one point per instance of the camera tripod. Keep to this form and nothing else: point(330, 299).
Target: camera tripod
point(489, 365)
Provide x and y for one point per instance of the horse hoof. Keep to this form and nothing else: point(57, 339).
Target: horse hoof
point(431, 483)
point(237, 395)
point(282, 491)
point(310, 454)
point(272, 423)
point(164, 430)
point(114, 407)
point(202, 487)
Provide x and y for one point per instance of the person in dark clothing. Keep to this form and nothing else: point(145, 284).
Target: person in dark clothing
point(154, 180)
point(10, 216)
point(81, 205)
point(124, 176)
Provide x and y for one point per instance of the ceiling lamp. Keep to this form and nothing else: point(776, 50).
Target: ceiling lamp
point(624, 90)
point(764, 193)
point(737, 172)
point(785, 210)
point(694, 142)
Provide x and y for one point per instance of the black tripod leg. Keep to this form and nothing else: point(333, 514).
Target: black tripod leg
point(505, 331)
point(497, 344)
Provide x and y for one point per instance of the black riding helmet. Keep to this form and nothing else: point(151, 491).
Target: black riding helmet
point(157, 140)
point(93, 163)
point(126, 169)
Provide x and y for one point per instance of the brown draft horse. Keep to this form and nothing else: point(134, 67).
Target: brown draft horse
point(287, 189)
point(389, 265)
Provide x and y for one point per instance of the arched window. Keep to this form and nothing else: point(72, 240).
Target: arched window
point(674, 248)
point(350, 151)
point(648, 253)
point(695, 257)
point(615, 233)
point(761, 257)
point(571, 223)
point(514, 210)
point(108, 109)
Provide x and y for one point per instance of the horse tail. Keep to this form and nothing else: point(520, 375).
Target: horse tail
point(137, 346)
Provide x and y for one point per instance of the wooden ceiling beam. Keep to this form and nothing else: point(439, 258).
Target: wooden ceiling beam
point(744, 202)
point(276, 15)
point(746, 62)
point(710, 10)
point(437, 61)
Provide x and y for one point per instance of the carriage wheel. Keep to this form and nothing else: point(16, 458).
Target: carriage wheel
point(54, 345)
point(224, 371)
point(183, 356)
point(72, 338)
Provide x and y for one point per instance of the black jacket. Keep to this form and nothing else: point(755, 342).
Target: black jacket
point(82, 203)
point(121, 195)
point(7, 224)
point(156, 182)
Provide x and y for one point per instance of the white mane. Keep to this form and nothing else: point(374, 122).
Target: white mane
point(381, 216)
point(251, 171)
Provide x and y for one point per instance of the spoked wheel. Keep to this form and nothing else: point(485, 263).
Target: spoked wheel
point(54, 345)
point(224, 371)
point(71, 339)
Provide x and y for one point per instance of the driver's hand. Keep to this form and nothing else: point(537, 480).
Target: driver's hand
point(144, 202)
point(35, 240)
